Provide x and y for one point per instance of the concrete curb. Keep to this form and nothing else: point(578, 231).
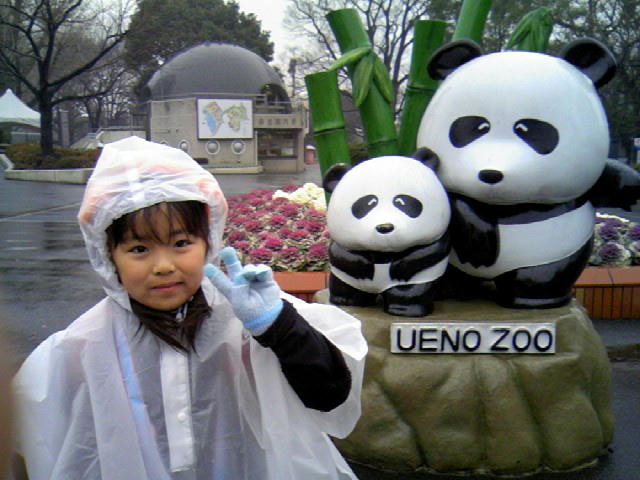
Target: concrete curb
point(75, 175)
point(70, 175)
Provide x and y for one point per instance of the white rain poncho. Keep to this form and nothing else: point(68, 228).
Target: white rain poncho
point(101, 400)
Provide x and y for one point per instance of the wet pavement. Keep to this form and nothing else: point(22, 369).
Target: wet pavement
point(46, 282)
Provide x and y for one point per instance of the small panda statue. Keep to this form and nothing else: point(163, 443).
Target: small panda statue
point(388, 219)
point(522, 142)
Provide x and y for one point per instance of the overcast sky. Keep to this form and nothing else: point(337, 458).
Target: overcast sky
point(270, 13)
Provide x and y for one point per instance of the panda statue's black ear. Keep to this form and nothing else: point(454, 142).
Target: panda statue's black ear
point(592, 58)
point(428, 157)
point(452, 55)
point(334, 175)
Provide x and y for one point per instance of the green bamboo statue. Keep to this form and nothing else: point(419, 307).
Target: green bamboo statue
point(371, 86)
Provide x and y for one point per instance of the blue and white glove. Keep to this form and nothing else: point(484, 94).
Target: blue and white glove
point(251, 290)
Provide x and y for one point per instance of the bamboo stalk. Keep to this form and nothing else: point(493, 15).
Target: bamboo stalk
point(532, 32)
point(376, 111)
point(471, 20)
point(428, 35)
point(327, 119)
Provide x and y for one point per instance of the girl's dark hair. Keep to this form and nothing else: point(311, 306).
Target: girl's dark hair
point(191, 215)
point(193, 218)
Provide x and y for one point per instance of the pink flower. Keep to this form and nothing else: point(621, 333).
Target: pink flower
point(285, 232)
point(299, 235)
point(277, 221)
point(315, 226)
point(280, 201)
point(289, 254)
point(302, 225)
point(242, 246)
point(242, 210)
point(239, 220)
point(253, 226)
point(290, 209)
point(260, 255)
point(255, 201)
point(318, 251)
point(315, 214)
point(290, 188)
point(236, 235)
point(273, 243)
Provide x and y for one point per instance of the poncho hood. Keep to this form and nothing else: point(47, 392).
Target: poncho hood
point(131, 174)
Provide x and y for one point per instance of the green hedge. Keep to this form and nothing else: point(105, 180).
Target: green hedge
point(26, 156)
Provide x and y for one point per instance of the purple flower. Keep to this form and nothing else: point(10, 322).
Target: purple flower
point(634, 231)
point(614, 222)
point(608, 232)
point(612, 254)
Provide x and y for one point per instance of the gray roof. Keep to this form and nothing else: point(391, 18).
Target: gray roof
point(214, 68)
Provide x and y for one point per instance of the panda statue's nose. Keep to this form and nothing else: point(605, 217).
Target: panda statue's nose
point(490, 176)
point(385, 228)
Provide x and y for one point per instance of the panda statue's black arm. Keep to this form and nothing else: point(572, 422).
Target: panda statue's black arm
point(474, 232)
point(353, 263)
point(618, 186)
point(420, 258)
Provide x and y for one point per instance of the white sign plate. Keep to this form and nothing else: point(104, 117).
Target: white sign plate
point(494, 338)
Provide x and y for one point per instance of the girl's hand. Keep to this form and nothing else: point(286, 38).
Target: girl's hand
point(251, 290)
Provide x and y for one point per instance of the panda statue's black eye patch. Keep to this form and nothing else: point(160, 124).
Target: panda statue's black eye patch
point(541, 136)
point(364, 205)
point(409, 205)
point(465, 130)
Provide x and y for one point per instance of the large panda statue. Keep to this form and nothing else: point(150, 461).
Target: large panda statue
point(522, 141)
point(388, 219)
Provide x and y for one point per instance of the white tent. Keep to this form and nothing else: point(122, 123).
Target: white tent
point(12, 110)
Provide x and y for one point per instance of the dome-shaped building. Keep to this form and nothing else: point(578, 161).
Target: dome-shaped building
point(227, 108)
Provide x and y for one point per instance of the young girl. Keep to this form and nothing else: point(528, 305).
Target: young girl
point(174, 375)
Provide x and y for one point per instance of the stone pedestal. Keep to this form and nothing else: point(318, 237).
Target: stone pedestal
point(483, 413)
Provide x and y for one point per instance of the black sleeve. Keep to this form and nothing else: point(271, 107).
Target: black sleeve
point(313, 366)
point(474, 232)
point(421, 258)
point(354, 263)
point(618, 186)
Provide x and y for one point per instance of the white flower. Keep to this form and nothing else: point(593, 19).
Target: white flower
point(309, 194)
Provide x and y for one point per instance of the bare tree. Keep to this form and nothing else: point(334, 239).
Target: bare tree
point(102, 94)
point(47, 53)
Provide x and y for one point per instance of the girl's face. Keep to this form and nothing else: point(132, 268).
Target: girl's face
point(160, 271)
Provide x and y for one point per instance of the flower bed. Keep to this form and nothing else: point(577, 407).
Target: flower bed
point(286, 229)
point(616, 242)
